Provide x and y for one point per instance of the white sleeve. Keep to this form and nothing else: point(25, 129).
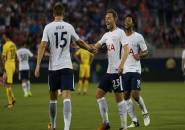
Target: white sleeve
point(142, 43)
point(30, 53)
point(45, 35)
point(183, 54)
point(74, 35)
point(123, 40)
point(102, 40)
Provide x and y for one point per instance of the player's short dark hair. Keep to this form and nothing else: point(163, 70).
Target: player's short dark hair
point(8, 34)
point(58, 9)
point(131, 16)
point(113, 12)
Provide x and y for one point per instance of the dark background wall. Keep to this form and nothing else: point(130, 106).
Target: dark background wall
point(163, 69)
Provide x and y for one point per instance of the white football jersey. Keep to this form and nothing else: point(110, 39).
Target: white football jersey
point(114, 41)
point(136, 43)
point(58, 36)
point(23, 55)
point(183, 55)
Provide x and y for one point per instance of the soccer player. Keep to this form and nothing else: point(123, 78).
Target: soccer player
point(9, 67)
point(117, 52)
point(23, 55)
point(132, 71)
point(85, 58)
point(57, 36)
point(183, 64)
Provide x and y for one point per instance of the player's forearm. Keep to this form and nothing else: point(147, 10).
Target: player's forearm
point(143, 54)
point(83, 45)
point(41, 51)
point(124, 55)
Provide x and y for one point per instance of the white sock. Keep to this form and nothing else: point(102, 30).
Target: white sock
point(142, 105)
point(103, 109)
point(67, 113)
point(24, 87)
point(53, 112)
point(130, 110)
point(28, 85)
point(122, 107)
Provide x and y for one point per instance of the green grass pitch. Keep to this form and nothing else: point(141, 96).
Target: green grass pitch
point(165, 102)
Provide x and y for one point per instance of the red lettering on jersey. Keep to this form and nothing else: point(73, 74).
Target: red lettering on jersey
point(131, 51)
point(110, 47)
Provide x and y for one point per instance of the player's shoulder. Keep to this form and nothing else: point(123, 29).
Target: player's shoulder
point(138, 35)
point(119, 29)
point(9, 44)
point(67, 24)
point(183, 51)
point(120, 32)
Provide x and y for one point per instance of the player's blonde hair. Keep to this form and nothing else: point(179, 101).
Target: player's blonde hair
point(114, 13)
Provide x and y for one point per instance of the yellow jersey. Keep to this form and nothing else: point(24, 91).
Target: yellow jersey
point(84, 55)
point(9, 52)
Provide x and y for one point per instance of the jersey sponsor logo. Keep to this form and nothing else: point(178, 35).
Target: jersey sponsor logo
point(131, 51)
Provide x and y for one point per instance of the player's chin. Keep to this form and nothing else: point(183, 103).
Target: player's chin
point(108, 27)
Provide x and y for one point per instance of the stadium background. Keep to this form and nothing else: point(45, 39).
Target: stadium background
point(162, 22)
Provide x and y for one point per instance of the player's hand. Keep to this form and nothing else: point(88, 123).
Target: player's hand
point(136, 56)
point(93, 50)
point(37, 71)
point(120, 70)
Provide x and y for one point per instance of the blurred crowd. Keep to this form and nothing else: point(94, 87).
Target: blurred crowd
point(162, 22)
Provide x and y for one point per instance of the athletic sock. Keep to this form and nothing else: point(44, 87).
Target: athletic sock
point(24, 88)
point(67, 113)
point(79, 85)
point(9, 95)
point(86, 85)
point(103, 109)
point(28, 86)
point(53, 112)
point(142, 105)
point(130, 110)
point(122, 107)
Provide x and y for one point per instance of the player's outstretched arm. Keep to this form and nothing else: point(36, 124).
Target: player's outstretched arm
point(40, 55)
point(86, 46)
point(123, 58)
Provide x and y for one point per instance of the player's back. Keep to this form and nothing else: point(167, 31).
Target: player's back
point(23, 55)
point(9, 51)
point(84, 55)
point(58, 34)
